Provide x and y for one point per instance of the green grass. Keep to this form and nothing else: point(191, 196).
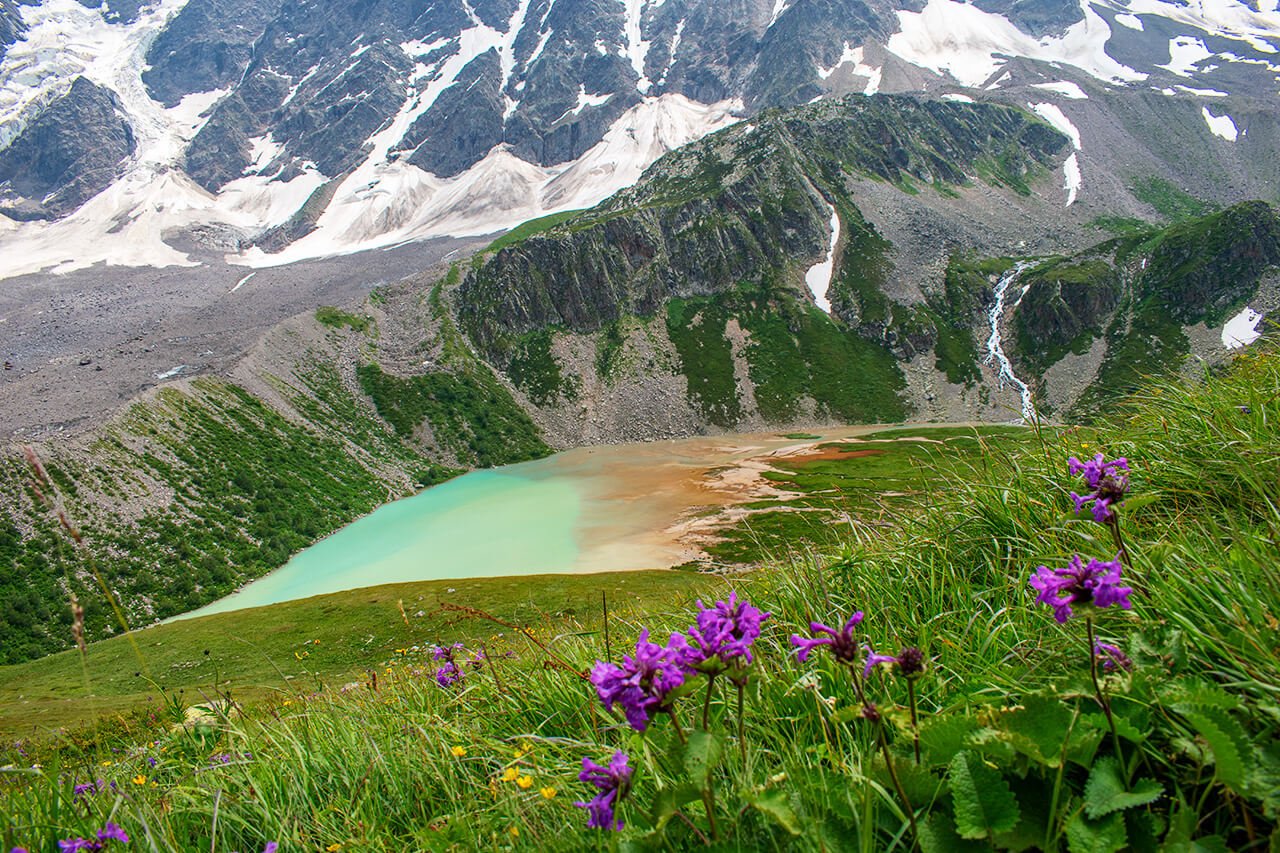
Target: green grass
point(1015, 753)
point(336, 318)
point(529, 228)
point(1170, 201)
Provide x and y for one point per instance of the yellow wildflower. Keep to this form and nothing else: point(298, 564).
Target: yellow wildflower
point(525, 782)
point(334, 848)
point(458, 751)
point(510, 774)
point(139, 779)
point(515, 831)
point(548, 793)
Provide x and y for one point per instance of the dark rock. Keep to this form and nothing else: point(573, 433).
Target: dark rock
point(463, 124)
point(69, 153)
point(1036, 17)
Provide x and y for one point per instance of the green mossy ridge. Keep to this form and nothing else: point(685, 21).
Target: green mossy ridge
point(1170, 201)
point(468, 412)
point(336, 318)
point(530, 227)
point(697, 329)
point(249, 488)
point(857, 288)
point(534, 370)
point(795, 352)
point(1063, 310)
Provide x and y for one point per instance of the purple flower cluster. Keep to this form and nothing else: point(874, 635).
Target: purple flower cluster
point(450, 673)
point(613, 782)
point(1109, 481)
point(88, 789)
point(724, 633)
point(841, 641)
point(643, 683)
point(1111, 657)
point(1094, 585)
point(909, 662)
point(107, 834)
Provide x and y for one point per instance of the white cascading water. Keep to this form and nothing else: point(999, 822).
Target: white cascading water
point(995, 354)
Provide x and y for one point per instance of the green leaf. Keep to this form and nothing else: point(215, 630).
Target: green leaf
point(668, 801)
point(938, 835)
point(702, 756)
point(1102, 836)
point(1105, 791)
point(775, 807)
point(1225, 737)
point(983, 802)
point(942, 737)
point(1038, 728)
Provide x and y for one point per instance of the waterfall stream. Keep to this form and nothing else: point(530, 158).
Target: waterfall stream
point(995, 353)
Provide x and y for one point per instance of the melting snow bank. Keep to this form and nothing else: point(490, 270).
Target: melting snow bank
point(995, 354)
point(818, 276)
point(1070, 169)
point(1242, 329)
point(1220, 125)
point(387, 203)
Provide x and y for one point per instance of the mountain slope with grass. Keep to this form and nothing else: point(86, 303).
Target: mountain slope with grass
point(1161, 734)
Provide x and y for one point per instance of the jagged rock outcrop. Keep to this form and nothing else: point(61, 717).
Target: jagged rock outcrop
point(11, 24)
point(747, 204)
point(72, 151)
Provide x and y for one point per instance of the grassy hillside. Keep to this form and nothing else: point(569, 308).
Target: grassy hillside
point(1025, 740)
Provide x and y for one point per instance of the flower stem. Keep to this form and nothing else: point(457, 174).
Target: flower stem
point(742, 726)
point(706, 704)
point(1097, 690)
point(897, 785)
point(675, 724)
point(915, 720)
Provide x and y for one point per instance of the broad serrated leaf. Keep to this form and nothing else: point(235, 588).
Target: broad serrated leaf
point(1038, 728)
point(1226, 739)
point(702, 755)
point(942, 737)
point(1105, 791)
point(668, 801)
point(938, 835)
point(774, 806)
point(1096, 836)
point(984, 805)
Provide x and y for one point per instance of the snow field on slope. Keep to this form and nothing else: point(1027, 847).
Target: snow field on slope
point(1071, 177)
point(818, 276)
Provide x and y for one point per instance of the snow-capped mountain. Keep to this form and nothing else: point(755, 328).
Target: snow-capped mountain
point(278, 130)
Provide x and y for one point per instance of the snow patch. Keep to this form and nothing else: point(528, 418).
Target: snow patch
point(1228, 19)
point(1242, 329)
point(585, 101)
point(958, 98)
point(1133, 22)
point(242, 282)
point(1221, 125)
point(637, 48)
point(1201, 93)
point(169, 374)
point(1184, 53)
point(853, 56)
point(956, 38)
point(675, 46)
point(1065, 88)
point(1054, 115)
point(818, 276)
point(779, 6)
point(1071, 178)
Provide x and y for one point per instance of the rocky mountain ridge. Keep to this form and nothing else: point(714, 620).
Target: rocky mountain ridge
point(293, 129)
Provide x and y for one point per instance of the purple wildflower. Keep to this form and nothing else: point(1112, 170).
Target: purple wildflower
point(726, 631)
point(1108, 480)
point(1094, 585)
point(18, 850)
point(86, 790)
point(111, 832)
point(842, 643)
point(446, 652)
point(1111, 657)
point(72, 845)
point(909, 661)
point(153, 761)
point(613, 781)
point(448, 675)
point(271, 847)
point(642, 684)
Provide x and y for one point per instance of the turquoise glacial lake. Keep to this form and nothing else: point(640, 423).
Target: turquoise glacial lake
point(612, 508)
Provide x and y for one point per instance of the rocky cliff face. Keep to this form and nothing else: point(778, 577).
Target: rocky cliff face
point(70, 152)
